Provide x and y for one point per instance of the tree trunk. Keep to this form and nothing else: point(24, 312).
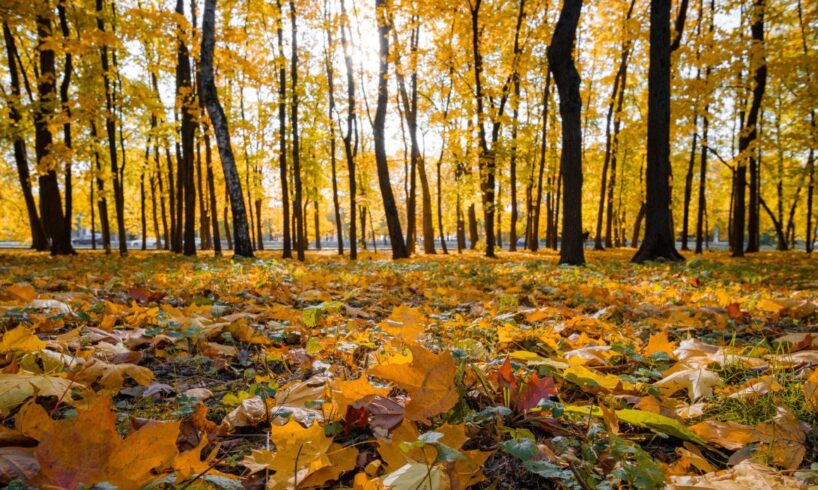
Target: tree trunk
point(300, 239)
point(282, 136)
point(399, 250)
point(211, 187)
point(350, 147)
point(566, 77)
point(68, 68)
point(142, 198)
point(110, 128)
point(336, 205)
point(39, 239)
point(51, 209)
point(243, 247)
point(534, 241)
point(747, 139)
point(659, 241)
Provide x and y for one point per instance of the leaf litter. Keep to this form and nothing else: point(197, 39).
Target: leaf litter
point(157, 371)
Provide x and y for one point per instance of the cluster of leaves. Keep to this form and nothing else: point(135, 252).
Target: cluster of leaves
point(449, 372)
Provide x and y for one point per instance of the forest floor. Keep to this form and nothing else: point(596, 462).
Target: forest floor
point(161, 371)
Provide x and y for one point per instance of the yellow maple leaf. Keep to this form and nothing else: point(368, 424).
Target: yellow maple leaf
point(87, 449)
point(21, 339)
point(405, 323)
point(345, 393)
point(428, 379)
point(303, 457)
point(659, 342)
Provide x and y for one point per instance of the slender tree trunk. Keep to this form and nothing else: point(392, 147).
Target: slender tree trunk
point(68, 68)
point(165, 231)
point(561, 64)
point(809, 238)
point(534, 242)
point(330, 55)
point(399, 250)
point(185, 175)
point(282, 135)
point(614, 106)
point(702, 176)
point(243, 247)
point(142, 198)
point(110, 128)
point(39, 239)
point(154, 214)
point(350, 146)
point(211, 188)
point(300, 239)
point(659, 241)
point(51, 209)
point(102, 200)
point(747, 140)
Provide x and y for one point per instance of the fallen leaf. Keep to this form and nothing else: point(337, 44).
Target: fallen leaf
point(405, 323)
point(21, 339)
point(87, 449)
point(16, 388)
point(746, 475)
point(428, 380)
point(698, 382)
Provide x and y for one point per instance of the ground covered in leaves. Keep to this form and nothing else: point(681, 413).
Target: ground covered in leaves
point(159, 371)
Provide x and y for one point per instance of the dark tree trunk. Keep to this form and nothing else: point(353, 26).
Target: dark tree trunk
point(142, 198)
point(659, 242)
point(474, 236)
point(515, 79)
point(39, 239)
point(702, 177)
point(102, 200)
point(51, 209)
point(316, 225)
point(418, 165)
point(614, 106)
point(184, 95)
point(282, 136)
point(243, 247)
point(534, 240)
point(211, 188)
point(163, 211)
point(298, 210)
point(566, 77)
point(350, 146)
point(110, 129)
point(399, 250)
point(809, 238)
point(336, 205)
point(68, 68)
point(747, 139)
point(154, 214)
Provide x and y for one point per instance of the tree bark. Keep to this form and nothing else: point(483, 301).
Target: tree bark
point(534, 240)
point(399, 250)
point(110, 129)
point(566, 77)
point(39, 239)
point(243, 247)
point(51, 209)
point(659, 242)
point(330, 55)
point(350, 146)
point(748, 137)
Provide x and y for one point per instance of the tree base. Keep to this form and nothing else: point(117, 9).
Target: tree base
point(657, 248)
